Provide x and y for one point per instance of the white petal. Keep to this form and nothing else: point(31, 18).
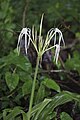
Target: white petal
point(26, 32)
point(57, 53)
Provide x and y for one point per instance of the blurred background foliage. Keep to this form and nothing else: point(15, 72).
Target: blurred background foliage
point(16, 72)
point(16, 14)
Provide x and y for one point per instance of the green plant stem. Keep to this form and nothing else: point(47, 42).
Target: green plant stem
point(33, 88)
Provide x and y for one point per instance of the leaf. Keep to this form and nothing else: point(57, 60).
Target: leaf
point(1, 115)
point(51, 84)
point(24, 75)
point(24, 116)
point(4, 115)
point(20, 61)
point(78, 35)
point(43, 110)
point(65, 116)
point(16, 111)
point(59, 99)
point(12, 80)
point(42, 106)
point(5, 112)
point(40, 94)
point(27, 86)
point(23, 63)
point(14, 114)
point(74, 62)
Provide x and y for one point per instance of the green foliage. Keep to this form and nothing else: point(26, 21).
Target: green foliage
point(12, 80)
point(51, 84)
point(65, 116)
point(11, 114)
point(74, 62)
point(13, 58)
point(41, 93)
point(6, 26)
point(13, 68)
point(26, 88)
point(78, 35)
point(45, 109)
point(16, 72)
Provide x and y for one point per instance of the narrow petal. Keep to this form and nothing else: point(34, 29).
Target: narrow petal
point(26, 32)
point(57, 53)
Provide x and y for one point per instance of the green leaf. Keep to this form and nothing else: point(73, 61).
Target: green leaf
point(20, 61)
point(1, 115)
point(74, 62)
point(24, 116)
point(51, 84)
point(5, 111)
point(12, 80)
point(4, 115)
point(27, 86)
point(16, 111)
point(14, 114)
point(42, 106)
point(23, 75)
point(65, 116)
point(40, 94)
point(23, 63)
point(43, 110)
point(59, 99)
point(78, 35)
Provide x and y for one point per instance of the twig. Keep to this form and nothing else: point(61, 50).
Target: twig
point(24, 13)
point(56, 71)
point(65, 87)
point(71, 45)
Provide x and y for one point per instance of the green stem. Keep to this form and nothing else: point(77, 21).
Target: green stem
point(33, 88)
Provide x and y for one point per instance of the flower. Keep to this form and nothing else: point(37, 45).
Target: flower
point(39, 43)
point(26, 32)
point(57, 44)
point(54, 31)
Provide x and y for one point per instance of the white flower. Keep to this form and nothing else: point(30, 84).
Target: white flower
point(54, 32)
point(26, 32)
point(42, 45)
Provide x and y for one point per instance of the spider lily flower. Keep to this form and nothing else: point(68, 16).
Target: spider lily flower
point(57, 43)
point(41, 45)
point(26, 32)
point(54, 32)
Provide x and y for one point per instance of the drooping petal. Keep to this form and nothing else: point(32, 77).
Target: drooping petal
point(57, 53)
point(54, 32)
point(26, 32)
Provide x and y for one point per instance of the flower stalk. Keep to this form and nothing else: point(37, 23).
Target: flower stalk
point(33, 88)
